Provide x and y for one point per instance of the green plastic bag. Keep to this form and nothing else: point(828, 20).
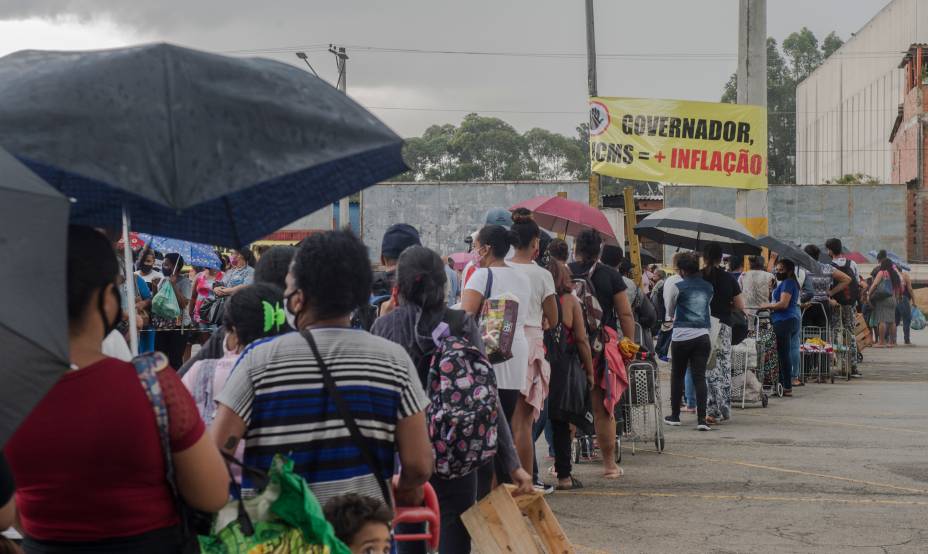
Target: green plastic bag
point(287, 519)
point(164, 304)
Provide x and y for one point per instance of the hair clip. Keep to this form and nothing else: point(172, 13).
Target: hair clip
point(274, 316)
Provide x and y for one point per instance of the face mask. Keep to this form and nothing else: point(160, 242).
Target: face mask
point(288, 313)
point(146, 268)
point(109, 327)
point(781, 276)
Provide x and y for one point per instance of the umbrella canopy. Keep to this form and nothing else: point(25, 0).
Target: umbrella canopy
point(194, 253)
point(647, 257)
point(857, 257)
point(460, 259)
point(894, 258)
point(693, 229)
point(136, 242)
point(790, 251)
point(560, 215)
point(33, 303)
point(197, 146)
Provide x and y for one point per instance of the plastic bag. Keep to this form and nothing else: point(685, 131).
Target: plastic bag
point(164, 304)
point(918, 319)
point(286, 517)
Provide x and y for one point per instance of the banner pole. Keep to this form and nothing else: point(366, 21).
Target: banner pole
point(631, 219)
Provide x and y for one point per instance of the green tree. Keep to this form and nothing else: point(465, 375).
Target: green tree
point(579, 166)
point(831, 43)
point(802, 56)
point(803, 52)
point(550, 154)
point(854, 179)
point(487, 149)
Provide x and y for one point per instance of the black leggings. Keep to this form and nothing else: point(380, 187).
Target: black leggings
point(561, 440)
point(172, 344)
point(693, 353)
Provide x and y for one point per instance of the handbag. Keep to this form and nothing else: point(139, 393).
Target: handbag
point(213, 310)
point(498, 318)
point(345, 413)
point(883, 290)
point(569, 391)
point(739, 327)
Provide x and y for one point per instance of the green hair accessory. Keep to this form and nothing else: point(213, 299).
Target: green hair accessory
point(274, 316)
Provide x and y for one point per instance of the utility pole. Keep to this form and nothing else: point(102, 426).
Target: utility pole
point(591, 84)
point(341, 62)
point(751, 205)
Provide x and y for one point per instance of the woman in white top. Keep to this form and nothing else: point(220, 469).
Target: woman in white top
point(491, 245)
point(756, 286)
point(542, 305)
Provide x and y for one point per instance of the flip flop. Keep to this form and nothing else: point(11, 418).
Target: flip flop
point(618, 474)
point(574, 484)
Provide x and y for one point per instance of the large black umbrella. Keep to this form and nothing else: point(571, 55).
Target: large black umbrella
point(692, 229)
point(791, 252)
point(33, 305)
point(197, 146)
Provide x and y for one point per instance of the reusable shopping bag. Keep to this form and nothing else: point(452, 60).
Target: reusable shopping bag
point(918, 319)
point(285, 518)
point(498, 322)
point(164, 304)
point(569, 391)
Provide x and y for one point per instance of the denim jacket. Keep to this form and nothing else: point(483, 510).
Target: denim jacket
point(692, 305)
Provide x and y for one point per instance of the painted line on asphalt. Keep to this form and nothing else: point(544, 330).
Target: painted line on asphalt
point(842, 424)
point(740, 497)
point(797, 472)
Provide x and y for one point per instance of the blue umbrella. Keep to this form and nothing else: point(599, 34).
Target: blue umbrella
point(194, 253)
point(193, 145)
point(893, 257)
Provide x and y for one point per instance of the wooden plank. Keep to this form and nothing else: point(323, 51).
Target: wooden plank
point(496, 525)
point(547, 527)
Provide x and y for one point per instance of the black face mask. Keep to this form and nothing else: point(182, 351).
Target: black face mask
point(107, 326)
point(781, 276)
point(146, 268)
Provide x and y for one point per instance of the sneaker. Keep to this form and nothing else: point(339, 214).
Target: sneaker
point(543, 488)
point(856, 374)
point(703, 427)
point(671, 421)
point(663, 358)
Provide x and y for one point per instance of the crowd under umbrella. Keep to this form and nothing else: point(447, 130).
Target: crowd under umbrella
point(193, 253)
point(33, 303)
point(789, 251)
point(693, 229)
point(188, 144)
point(568, 217)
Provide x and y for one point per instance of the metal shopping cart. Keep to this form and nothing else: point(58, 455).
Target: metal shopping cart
point(815, 348)
point(842, 341)
point(751, 371)
point(642, 416)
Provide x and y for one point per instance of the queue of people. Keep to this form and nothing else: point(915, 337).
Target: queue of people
point(348, 373)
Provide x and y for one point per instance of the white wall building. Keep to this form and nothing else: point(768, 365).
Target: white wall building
point(846, 108)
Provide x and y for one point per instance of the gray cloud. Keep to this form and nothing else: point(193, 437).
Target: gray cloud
point(705, 31)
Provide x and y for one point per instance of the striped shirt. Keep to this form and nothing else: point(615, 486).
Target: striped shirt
point(277, 389)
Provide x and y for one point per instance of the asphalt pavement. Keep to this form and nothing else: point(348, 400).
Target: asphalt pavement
point(838, 467)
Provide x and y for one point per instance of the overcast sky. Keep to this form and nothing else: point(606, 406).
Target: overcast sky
point(658, 48)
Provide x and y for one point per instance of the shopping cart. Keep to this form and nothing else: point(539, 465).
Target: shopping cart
point(642, 417)
point(815, 348)
point(749, 364)
point(842, 340)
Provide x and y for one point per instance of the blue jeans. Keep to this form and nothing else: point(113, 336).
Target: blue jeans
point(786, 330)
point(794, 341)
point(663, 343)
point(689, 389)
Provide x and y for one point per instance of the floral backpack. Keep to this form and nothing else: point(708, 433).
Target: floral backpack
point(463, 411)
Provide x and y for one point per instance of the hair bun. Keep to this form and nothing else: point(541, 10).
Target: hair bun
point(522, 215)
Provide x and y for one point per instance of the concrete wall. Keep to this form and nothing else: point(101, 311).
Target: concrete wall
point(846, 108)
point(445, 213)
point(864, 217)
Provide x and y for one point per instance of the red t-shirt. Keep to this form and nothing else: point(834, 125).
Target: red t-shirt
point(87, 461)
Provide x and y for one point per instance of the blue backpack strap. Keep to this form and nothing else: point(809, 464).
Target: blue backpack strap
point(147, 367)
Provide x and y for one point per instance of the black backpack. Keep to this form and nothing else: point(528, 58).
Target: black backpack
point(850, 295)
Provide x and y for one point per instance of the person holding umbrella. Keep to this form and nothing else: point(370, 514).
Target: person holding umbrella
point(726, 298)
point(88, 460)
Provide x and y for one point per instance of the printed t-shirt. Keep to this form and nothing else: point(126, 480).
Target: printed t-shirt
point(511, 374)
point(277, 389)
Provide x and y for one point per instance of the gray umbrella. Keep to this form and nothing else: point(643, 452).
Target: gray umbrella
point(33, 307)
point(693, 229)
point(197, 146)
point(791, 252)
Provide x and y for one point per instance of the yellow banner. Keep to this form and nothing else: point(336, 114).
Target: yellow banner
point(679, 142)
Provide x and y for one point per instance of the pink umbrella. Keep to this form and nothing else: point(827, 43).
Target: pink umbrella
point(460, 259)
point(569, 217)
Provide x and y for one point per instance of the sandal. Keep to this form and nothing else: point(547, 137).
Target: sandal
point(574, 484)
point(711, 420)
point(619, 473)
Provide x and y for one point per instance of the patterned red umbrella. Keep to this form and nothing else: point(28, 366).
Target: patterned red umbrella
point(857, 257)
point(569, 217)
point(135, 242)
